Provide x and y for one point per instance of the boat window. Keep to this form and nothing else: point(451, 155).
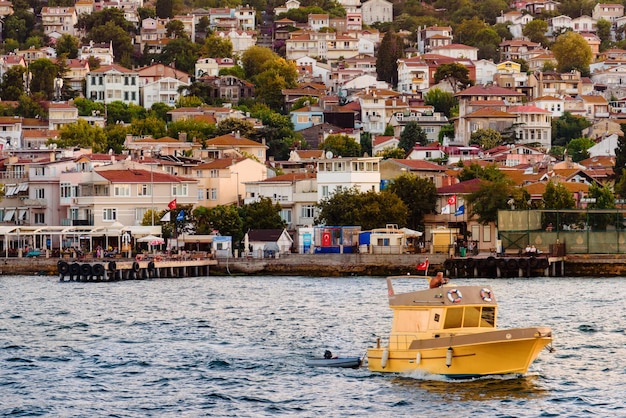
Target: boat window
point(454, 318)
point(488, 317)
point(472, 316)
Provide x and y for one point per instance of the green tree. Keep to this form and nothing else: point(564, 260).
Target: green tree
point(391, 152)
point(81, 134)
point(604, 199)
point(159, 110)
point(341, 145)
point(175, 29)
point(276, 76)
point(119, 111)
point(120, 38)
point(390, 50)
point(262, 214)
point(441, 100)
point(366, 143)
point(456, 74)
point(87, 22)
point(536, 30)
point(418, 194)
point(620, 165)
point(557, 196)
point(411, 135)
point(488, 43)
point(116, 136)
point(578, 148)
point(603, 28)
point(148, 126)
point(13, 83)
point(229, 125)
point(476, 171)
point(303, 102)
point(222, 218)
point(217, 47)
point(44, 72)
point(369, 210)
point(572, 52)
point(68, 45)
point(567, 127)
point(254, 58)
point(88, 107)
point(165, 9)
point(389, 131)
point(491, 197)
point(193, 128)
point(486, 138)
point(182, 52)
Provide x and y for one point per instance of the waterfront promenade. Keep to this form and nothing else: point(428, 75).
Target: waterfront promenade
point(592, 265)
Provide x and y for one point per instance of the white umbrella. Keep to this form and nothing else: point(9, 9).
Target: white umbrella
point(152, 240)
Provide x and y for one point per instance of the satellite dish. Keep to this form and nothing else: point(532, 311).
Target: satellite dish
point(329, 154)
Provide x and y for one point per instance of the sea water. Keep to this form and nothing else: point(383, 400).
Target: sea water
point(236, 347)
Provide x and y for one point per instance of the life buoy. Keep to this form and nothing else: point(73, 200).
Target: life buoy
point(98, 270)
point(136, 266)
point(64, 268)
point(448, 264)
point(454, 295)
point(486, 294)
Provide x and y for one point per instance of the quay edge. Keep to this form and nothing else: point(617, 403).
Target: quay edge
point(336, 265)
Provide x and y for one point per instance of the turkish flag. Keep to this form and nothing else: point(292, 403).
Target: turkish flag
point(172, 205)
point(423, 265)
point(452, 200)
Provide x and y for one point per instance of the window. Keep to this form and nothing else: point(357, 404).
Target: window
point(285, 215)
point(325, 191)
point(486, 233)
point(40, 193)
point(201, 194)
point(40, 171)
point(308, 211)
point(121, 190)
point(180, 189)
point(214, 173)
point(144, 190)
point(140, 213)
point(212, 194)
point(40, 218)
point(109, 214)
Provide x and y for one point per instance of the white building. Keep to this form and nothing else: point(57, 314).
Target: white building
point(336, 174)
point(377, 11)
point(111, 83)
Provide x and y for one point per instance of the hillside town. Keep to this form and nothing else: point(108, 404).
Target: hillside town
point(113, 135)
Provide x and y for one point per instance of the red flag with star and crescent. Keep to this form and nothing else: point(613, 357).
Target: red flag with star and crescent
point(452, 200)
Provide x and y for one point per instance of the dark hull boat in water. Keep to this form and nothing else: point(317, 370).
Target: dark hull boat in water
point(345, 362)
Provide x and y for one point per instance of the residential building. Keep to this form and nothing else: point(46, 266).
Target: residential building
point(102, 52)
point(342, 173)
point(110, 83)
point(206, 67)
point(59, 19)
point(377, 11)
point(420, 167)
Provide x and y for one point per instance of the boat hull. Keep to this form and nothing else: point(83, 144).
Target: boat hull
point(343, 362)
point(501, 352)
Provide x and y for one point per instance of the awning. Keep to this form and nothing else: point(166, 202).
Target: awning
point(22, 214)
point(8, 215)
point(22, 187)
point(11, 190)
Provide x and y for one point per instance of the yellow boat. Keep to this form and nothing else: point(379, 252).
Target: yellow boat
point(451, 330)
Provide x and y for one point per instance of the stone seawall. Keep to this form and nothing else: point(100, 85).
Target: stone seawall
point(336, 265)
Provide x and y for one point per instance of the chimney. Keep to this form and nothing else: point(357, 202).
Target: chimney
point(237, 135)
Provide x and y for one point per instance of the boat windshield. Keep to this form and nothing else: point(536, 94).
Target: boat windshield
point(470, 317)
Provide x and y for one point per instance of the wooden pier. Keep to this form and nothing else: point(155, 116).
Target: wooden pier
point(132, 269)
point(505, 266)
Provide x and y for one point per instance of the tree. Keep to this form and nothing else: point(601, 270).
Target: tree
point(620, 165)
point(13, 83)
point(254, 58)
point(604, 199)
point(148, 126)
point(341, 145)
point(411, 135)
point(389, 131)
point(369, 210)
point(116, 137)
point(578, 148)
point(488, 43)
point(175, 29)
point(303, 102)
point(67, 44)
point(44, 72)
point(603, 28)
point(476, 171)
point(217, 47)
point(87, 22)
point(81, 134)
point(182, 52)
point(456, 74)
point(567, 127)
point(119, 111)
point(276, 76)
point(390, 50)
point(490, 197)
point(557, 196)
point(229, 125)
point(441, 100)
point(418, 194)
point(120, 38)
point(536, 30)
point(486, 138)
point(222, 218)
point(165, 9)
point(262, 214)
point(572, 52)
point(193, 128)
point(391, 152)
